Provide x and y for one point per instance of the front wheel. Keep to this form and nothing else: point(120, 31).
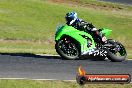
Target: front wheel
point(67, 49)
point(117, 53)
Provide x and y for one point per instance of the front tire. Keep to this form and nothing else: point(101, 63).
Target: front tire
point(67, 49)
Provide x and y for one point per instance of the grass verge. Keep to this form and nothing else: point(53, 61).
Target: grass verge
point(55, 84)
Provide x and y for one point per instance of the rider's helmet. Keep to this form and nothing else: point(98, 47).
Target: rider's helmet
point(71, 17)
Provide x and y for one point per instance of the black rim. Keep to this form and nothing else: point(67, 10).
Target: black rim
point(68, 48)
point(119, 50)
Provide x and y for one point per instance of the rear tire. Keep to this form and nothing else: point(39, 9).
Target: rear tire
point(112, 56)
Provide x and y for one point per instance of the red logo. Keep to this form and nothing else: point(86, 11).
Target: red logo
point(83, 78)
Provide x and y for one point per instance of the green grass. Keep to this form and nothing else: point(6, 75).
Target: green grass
point(21, 46)
point(55, 84)
point(29, 25)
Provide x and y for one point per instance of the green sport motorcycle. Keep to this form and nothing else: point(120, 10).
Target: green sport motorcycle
point(74, 44)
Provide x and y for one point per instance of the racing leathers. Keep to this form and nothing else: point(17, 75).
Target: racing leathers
point(87, 27)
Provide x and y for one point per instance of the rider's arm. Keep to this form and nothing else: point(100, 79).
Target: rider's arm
point(87, 26)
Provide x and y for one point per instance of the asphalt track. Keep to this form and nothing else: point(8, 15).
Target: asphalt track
point(129, 2)
point(52, 67)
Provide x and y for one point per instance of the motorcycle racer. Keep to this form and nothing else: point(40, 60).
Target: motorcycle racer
point(79, 39)
point(73, 20)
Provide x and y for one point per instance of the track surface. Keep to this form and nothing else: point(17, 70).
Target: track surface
point(52, 67)
point(120, 1)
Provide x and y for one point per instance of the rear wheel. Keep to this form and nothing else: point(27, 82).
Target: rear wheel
point(117, 53)
point(67, 49)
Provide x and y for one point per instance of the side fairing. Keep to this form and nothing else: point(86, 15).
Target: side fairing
point(75, 34)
